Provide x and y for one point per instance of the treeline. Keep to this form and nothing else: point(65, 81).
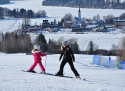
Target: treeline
point(4, 1)
point(53, 46)
point(21, 13)
point(21, 43)
point(15, 43)
point(86, 3)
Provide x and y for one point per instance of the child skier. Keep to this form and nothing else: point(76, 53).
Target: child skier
point(37, 59)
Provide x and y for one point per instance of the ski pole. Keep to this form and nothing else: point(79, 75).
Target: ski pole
point(45, 62)
point(81, 63)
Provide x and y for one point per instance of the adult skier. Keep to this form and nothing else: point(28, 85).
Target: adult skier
point(68, 56)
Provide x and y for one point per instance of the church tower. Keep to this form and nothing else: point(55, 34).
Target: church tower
point(79, 13)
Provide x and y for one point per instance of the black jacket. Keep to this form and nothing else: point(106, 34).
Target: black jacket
point(67, 54)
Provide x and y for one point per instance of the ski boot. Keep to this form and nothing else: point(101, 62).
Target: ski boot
point(58, 74)
point(78, 76)
point(43, 72)
point(31, 71)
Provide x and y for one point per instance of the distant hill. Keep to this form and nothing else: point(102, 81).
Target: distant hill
point(17, 0)
point(4, 1)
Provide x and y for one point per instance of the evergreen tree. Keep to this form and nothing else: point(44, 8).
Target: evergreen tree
point(42, 39)
point(42, 42)
point(90, 48)
point(76, 48)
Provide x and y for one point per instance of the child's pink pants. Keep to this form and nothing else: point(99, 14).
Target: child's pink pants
point(35, 63)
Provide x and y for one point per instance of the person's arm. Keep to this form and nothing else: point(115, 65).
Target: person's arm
point(61, 56)
point(73, 57)
point(42, 55)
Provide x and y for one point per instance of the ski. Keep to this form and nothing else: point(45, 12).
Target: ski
point(56, 76)
point(66, 76)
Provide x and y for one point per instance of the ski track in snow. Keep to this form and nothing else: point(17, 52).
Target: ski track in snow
point(97, 78)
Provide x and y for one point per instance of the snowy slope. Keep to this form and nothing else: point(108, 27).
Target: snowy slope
point(97, 78)
point(52, 12)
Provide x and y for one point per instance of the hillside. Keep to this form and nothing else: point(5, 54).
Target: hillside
point(103, 4)
point(97, 78)
point(4, 1)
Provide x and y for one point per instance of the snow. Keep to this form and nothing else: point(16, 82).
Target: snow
point(52, 13)
point(97, 78)
point(91, 26)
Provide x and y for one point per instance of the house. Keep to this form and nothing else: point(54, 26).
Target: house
point(32, 29)
point(90, 27)
point(94, 22)
point(45, 24)
point(120, 22)
point(100, 29)
point(67, 24)
point(101, 52)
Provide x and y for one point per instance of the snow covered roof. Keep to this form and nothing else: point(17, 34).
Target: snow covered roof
point(91, 26)
point(120, 20)
point(68, 21)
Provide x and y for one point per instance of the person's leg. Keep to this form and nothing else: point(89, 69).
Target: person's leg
point(33, 66)
point(73, 68)
point(41, 66)
point(60, 72)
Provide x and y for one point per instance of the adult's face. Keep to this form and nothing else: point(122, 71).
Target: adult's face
point(64, 45)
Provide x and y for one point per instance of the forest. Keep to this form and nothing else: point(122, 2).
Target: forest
point(103, 4)
point(4, 1)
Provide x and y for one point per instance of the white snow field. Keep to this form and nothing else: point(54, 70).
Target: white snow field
point(97, 78)
point(52, 13)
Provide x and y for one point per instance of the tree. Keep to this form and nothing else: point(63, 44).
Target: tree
point(68, 17)
point(121, 51)
point(74, 45)
point(26, 21)
point(41, 13)
point(92, 47)
point(42, 39)
point(14, 12)
point(42, 42)
point(0, 12)
point(96, 17)
point(15, 43)
point(114, 49)
point(54, 21)
point(76, 49)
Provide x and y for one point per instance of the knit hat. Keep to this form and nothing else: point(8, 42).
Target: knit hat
point(65, 42)
point(37, 47)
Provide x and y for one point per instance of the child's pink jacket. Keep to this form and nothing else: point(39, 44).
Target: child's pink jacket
point(37, 59)
point(37, 55)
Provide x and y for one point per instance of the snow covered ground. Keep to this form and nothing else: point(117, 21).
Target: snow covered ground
point(52, 13)
point(97, 78)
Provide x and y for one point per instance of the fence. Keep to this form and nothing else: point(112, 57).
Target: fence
point(108, 62)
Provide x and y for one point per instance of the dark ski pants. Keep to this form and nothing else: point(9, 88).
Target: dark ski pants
point(71, 66)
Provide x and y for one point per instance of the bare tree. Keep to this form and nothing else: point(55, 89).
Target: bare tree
point(121, 51)
point(97, 17)
point(114, 49)
point(68, 17)
point(26, 21)
point(41, 13)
